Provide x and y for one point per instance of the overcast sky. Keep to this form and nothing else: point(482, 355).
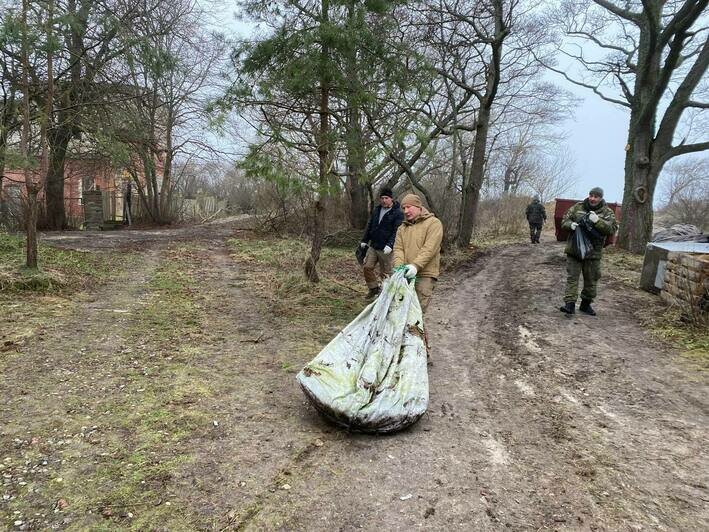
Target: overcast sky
point(597, 139)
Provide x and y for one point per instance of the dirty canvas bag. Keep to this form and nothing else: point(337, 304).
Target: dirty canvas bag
point(372, 377)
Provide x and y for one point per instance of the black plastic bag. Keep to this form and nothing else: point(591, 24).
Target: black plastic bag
point(360, 253)
point(581, 244)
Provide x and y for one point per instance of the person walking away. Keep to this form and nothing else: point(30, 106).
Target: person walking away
point(418, 247)
point(593, 216)
point(127, 199)
point(379, 237)
point(536, 216)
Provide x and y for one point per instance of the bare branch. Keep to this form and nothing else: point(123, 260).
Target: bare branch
point(622, 13)
point(594, 88)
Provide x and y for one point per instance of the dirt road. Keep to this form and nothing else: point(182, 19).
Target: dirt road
point(536, 421)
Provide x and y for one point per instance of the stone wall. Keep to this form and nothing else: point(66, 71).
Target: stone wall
point(686, 282)
point(93, 209)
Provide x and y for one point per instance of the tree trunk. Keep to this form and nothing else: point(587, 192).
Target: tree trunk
point(359, 208)
point(31, 225)
point(641, 174)
point(30, 186)
point(471, 190)
point(356, 169)
point(3, 203)
point(639, 184)
point(311, 272)
point(54, 191)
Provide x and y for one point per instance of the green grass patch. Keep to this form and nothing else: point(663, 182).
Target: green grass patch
point(121, 476)
point(484, 241)
point(687, 335)
point(455, 257)
point(172, 312)
point(59, 270)
point(121, 445)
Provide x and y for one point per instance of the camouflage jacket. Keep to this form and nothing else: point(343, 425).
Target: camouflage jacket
point(604, 227)
point(536, 214)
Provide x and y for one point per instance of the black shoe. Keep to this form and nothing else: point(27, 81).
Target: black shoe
point(373, 292)
point(586, 308)
point(568, 308)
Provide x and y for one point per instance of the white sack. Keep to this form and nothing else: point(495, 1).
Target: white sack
point(372, 377)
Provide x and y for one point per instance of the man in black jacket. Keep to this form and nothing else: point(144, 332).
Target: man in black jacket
point(379, 236)
point(536, 216)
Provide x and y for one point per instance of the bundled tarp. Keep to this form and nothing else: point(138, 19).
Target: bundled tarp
point(680, 233)
point(373, 377)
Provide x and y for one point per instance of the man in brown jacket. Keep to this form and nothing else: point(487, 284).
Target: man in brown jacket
point(418, 247)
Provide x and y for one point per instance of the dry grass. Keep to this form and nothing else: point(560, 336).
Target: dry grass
point(273, 269)
point(691, 336)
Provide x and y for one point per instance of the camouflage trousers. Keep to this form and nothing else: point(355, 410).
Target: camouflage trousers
point(371, 260)
point(535, 230)
point(591, 271)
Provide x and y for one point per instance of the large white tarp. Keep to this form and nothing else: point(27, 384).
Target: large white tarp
point(373, 377)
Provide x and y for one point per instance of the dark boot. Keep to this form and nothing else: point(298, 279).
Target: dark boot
point(585, 307)
point(373, 292)
point(568, 308)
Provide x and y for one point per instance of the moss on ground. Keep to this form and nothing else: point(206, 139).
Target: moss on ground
point(59, 270)
point(128, 391)
point(689, 336)
point(622, 266)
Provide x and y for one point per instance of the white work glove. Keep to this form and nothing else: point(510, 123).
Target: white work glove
point(593, 217)
point(410, 272)
point(363, 245)
point(574, 225)
point(387, 250)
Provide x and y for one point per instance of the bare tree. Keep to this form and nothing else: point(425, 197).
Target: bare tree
point(531, 159)
point(685, 192)
point(552, 175)
point(650, 57)
point(158, 126)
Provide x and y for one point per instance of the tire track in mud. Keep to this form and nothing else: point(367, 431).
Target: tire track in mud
point(575, 416)
point(520, 434)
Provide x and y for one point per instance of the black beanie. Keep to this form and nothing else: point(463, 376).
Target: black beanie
point(386, 191)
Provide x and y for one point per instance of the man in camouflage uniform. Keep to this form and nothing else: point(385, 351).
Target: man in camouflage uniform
point(536, 216)
point(595, 214)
